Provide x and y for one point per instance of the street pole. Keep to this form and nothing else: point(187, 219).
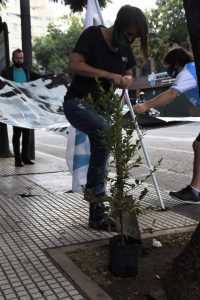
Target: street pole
point(27, 49)
point(4, 63)
point(26, 32)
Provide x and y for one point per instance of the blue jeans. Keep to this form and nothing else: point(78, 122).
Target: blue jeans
point(82, 117)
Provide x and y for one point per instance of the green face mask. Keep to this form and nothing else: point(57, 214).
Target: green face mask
point(119, 39)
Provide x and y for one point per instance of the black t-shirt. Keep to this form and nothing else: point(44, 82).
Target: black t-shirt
point(98, 55)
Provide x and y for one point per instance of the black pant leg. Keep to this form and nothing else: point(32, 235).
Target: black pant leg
point(26, 133)
point(16, 142)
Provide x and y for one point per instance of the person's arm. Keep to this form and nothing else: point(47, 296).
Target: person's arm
point(161, 100)
point(3, 74)
point(33, 75)
point(78, 65)
point(7, 74)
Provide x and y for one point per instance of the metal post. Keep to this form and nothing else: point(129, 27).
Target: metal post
point(26, 32)
point(128, 102)
point(27, 49)
point(4, 63)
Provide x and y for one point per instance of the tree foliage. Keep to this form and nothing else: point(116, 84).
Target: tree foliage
point(167, 24)
point(77, 6)
point(51, 52)
point(3, 3)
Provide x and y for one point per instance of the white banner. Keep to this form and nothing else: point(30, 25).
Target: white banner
point(35, 104)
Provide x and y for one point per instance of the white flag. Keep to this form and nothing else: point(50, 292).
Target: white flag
point(93, 14)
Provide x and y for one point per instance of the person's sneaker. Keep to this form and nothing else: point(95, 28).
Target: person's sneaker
point(186, 195)
point(28, 162)
point(98, 198)
point(107, 223)
point(19, 163)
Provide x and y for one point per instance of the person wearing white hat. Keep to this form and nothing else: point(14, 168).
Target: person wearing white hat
point(141, 98)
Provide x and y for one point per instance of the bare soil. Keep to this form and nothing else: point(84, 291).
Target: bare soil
point(153, 264)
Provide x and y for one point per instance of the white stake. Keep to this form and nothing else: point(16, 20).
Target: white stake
point(128, 102)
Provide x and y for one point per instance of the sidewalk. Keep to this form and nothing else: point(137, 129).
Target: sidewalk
point(49, 217)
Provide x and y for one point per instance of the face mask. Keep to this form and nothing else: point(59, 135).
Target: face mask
point(119, 39)
point(172, 71)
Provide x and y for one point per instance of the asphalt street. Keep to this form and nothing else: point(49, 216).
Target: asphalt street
point(172, 143)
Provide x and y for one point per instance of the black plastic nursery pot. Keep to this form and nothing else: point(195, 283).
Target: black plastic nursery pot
point(123, 259)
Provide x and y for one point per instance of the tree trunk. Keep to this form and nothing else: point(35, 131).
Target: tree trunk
point(5, 62)
point(4, 143)
point(192, 13)
point(27, 49)
point(182, 281)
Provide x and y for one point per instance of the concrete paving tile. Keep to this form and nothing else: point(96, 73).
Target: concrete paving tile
point(23, 294)
point(53, 297)
point(5, 287)
point(58, 290)
point(18, 288)
point(77, 297)
point(3, 282)
point(17, 285)
point(35, 293)
point(73, 293)
point(61, 295)
point(10, 296)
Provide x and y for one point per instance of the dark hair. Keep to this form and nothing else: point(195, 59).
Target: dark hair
point(16, 51)
point(178, 56)
point(129, 16)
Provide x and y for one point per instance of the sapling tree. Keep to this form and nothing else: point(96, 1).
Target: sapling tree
point(125, 156)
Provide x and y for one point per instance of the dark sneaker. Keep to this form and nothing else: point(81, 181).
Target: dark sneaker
point(28, 162)
point(107, 223)
point(19, 163)
point(186, 195)
point(98, 198)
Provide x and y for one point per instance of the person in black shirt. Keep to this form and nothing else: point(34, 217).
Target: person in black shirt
point(106, 54)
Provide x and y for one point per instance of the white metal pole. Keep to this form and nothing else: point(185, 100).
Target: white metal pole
point(96, 2)
point(128, 102)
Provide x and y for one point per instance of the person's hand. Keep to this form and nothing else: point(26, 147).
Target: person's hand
point(140, 108)
point(123, 82)
point(116, 79)
point(126, 81)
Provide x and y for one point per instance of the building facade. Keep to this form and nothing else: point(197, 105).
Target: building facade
point(42, 13)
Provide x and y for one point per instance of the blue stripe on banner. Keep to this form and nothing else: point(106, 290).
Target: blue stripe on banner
point(80, 160)
point(80, 137)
